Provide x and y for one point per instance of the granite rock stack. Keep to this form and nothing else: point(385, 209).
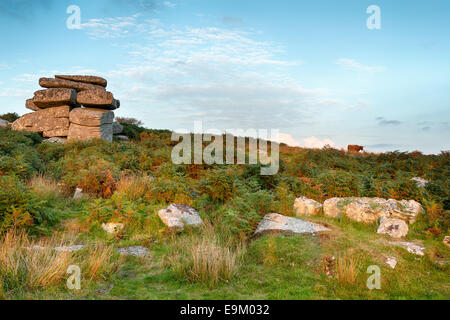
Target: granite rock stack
point(71, 107)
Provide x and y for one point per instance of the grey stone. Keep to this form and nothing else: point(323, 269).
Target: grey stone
point(275, 223)
point(117, 128)
point(176, 216)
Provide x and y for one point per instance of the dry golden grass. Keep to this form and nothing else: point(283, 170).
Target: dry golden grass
point(347, 268)
point(205, 258)
point(134, 187)
point(36, 264)
point(45, 187)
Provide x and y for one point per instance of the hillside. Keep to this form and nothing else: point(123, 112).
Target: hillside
point(129, 182)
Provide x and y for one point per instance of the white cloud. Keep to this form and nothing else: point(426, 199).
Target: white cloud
point(288, 139)
point(351, 64)
point(313, 142)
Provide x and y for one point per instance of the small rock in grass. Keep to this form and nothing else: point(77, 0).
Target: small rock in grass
point(391, 262)
point(420, 182)
point(447, 241)
point(137, 251)
point(70, 248)
point(112, 227)
point(78, 194)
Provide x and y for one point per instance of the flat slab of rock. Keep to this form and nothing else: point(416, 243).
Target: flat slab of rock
point(29, 104)
point(83, 133)
point(396, 228)
point(275, 223)
point(85, 79)
point(61, 83)
point(369, 210)
point(52, 122)
point(55, 97)
point(177, 216)
point(306, 207)
point(137, 251)
point(121, 137)
point(98, 99)
point(91, 117)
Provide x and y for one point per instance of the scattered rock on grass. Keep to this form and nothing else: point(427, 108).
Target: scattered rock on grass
point(396, 228)
point(176, 216)
point(137, 251)
point(420, 182)
point(306, 207)
point(414, 248)
point(78, 194)
point(447, 241)
point(71, 248)
point(275, 223)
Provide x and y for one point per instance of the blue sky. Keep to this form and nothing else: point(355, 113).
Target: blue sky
point(311, 69)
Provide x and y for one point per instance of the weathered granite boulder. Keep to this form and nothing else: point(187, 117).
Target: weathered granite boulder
point(86, 79)
point(29, 104)
point(275, 223)
point(91, 117)
point(306, 207)
point(177, 216)
point(396, 228)
point(55, 97)
point(4, 123)
point(51, 122)
point(117, 128)
point(61, 83)
point(82, 133)
point(369, 210)
point(98, 99)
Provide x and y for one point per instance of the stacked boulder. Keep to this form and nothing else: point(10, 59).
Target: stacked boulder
point(72, 107)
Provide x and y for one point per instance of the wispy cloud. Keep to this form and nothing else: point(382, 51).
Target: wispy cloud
point(354, 65)
point(384, 122)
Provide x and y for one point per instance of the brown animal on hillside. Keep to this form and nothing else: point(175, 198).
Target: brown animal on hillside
point(355, 148)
